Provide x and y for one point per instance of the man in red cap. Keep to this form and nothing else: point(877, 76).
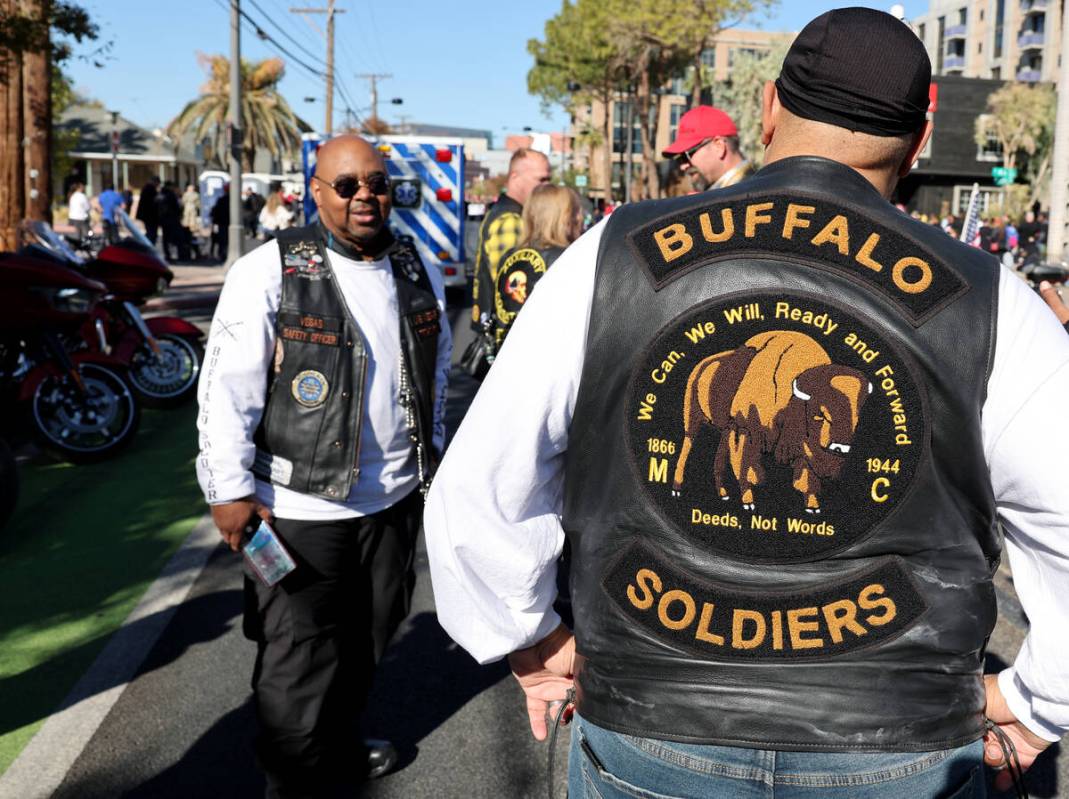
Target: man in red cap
point(707, 146)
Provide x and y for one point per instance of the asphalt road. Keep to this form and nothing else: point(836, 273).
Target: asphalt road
point(181, 729)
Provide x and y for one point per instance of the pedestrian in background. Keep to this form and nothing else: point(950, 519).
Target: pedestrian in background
point(275, 215)
point(220, 216)
point(147, 212)
point(322, 410)
point(78, 209)
point(502, 227)
point(109, 201)
point(190, 215)
point(727, 639)
point(552, 219)
point(251, 205)
point(169, 214)
point(707, 146)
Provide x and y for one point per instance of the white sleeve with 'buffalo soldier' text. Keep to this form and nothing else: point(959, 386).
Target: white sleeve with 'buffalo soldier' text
point(493, 515)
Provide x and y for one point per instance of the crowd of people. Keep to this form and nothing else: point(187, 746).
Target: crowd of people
point(174, 221)
point(777, 435)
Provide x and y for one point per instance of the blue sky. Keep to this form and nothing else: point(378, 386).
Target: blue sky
point(454, 63)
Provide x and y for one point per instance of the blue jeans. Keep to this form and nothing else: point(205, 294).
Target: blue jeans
point(610, 765)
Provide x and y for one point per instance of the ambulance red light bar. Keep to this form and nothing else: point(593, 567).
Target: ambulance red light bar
point(444, 195)
point(443, 155)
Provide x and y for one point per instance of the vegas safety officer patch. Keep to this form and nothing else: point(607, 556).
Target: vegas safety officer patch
point(774, 427)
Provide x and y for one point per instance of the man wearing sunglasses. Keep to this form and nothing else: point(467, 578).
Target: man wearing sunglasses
point(343, 327)
point(707, 148)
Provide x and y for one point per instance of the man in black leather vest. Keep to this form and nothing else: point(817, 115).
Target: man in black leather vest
point(783, 441)
point(321, 413)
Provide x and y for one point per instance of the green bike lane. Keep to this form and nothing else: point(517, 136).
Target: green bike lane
point(84, 544)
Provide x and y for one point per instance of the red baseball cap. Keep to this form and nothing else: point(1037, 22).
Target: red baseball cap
point(697, 125)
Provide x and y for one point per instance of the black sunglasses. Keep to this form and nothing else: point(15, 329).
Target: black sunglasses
point(686, 154)
point(346, 186)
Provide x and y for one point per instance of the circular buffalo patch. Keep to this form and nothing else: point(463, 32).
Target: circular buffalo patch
point(774, 427)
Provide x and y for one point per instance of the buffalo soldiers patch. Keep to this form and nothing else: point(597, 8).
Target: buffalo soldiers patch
point(842, 239)
point(310, 388)
point(516, 278)
point(715, 621)
point(774, 427)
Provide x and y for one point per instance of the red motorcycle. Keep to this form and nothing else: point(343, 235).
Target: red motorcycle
point(164, 353)
point(77, 404)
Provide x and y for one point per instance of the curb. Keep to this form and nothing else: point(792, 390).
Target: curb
point(42, 766)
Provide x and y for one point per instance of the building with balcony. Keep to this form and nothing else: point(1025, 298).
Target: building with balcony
point(995, 39)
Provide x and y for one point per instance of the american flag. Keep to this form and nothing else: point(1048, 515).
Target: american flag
point(970, 227)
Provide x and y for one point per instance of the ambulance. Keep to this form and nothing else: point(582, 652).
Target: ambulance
point(427, 181)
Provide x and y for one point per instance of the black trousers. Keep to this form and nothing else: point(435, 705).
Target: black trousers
point(319, 634)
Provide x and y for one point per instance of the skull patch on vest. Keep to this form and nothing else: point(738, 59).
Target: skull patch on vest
point(774, 427)
point(516, 278)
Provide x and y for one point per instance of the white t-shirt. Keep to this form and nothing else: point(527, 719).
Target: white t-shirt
point(78, 207)
point(238, 358)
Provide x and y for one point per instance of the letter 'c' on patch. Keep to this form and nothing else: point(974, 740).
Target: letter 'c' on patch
point(310, 388)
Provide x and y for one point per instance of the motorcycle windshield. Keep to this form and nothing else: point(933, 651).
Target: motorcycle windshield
point(133, 229)
point(42, 234)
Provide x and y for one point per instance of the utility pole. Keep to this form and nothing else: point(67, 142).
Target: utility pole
point(37, 122)
point(235, 231)
point(330, 11)
point(373, 78)
point(115, 150)
point(1059, 181)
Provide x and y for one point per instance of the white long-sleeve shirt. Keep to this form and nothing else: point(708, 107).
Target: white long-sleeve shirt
point(238, 359)
point(493, 515)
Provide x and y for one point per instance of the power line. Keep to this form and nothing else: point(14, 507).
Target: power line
point(285, 33)
point(375, 33)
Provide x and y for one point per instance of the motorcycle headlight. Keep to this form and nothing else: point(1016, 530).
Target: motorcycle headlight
point(71, 300)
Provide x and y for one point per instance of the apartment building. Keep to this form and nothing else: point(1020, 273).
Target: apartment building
point(995, 39)
point(674, 100)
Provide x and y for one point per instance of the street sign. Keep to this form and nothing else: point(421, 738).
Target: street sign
point(1003, 175)
point(580, 181)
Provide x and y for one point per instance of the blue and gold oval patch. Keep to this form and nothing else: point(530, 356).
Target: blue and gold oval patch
point(310, 388)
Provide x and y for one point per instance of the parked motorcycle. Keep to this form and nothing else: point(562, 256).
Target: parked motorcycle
point(164, 353)
point(77, 404)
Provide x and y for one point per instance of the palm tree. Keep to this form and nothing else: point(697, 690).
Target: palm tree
point(267, 122)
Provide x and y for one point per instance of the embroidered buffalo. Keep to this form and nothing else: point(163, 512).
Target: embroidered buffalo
point(777, 393)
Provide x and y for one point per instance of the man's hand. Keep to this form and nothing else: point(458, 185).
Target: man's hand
point(237, 518)
point(544, 672)
point(1054, 301)
point(1028, 744)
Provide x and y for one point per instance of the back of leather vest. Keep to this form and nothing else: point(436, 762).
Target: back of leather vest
point(781, 519)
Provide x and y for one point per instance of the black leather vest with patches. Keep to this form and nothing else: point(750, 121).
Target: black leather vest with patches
point(781, 519)
point(309, 436)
